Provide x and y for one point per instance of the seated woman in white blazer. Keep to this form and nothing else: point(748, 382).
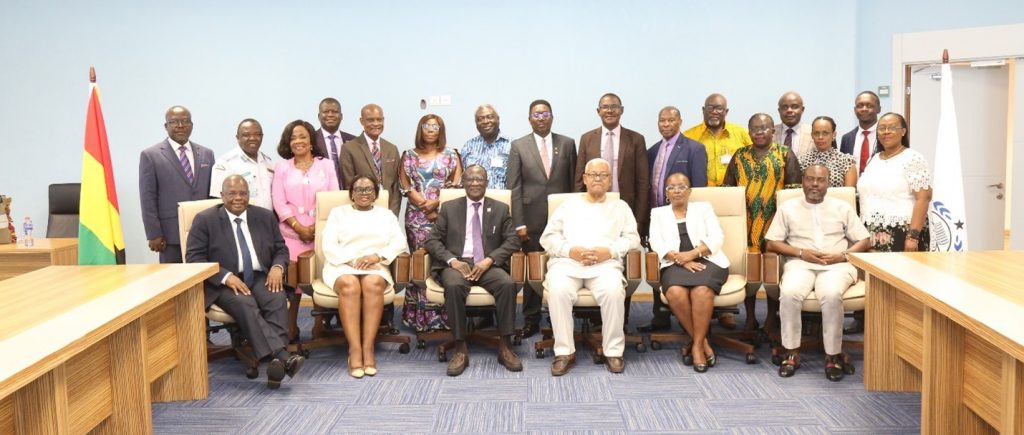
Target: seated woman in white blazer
point(693, 266)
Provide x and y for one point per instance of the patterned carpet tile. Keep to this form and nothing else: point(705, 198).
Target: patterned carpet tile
point(172, 419)
point(479, 417)
point(307, 418)
point(760, 413)
point(739, 385)
point(246, 394)
point(667, 415)
point(759, 430)
point(857, 412)
point(332, 393)
point(637, 388)
point(574, 416)
point(470, 390)
point(399, 391)
point(573, 387)
point(403, 419)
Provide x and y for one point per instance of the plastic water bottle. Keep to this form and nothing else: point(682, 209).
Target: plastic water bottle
point(29, 242)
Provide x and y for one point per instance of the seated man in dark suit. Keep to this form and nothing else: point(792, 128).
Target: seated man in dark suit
point(471, 243)
point(250, 285)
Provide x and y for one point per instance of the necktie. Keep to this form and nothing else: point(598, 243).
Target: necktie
point(789, 139)
point(659, 173)
point(185, 165)
point(864, 152)
point(334, 157)
point(609, 155)
point(247, 274)
point(477, 234)
point(544, 158)
point(375, 151)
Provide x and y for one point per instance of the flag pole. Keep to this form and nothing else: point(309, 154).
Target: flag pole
point(92, 74)
point(945, 55)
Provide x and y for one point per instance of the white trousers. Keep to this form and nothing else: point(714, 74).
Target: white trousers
point(610, 294)
point(828, 286)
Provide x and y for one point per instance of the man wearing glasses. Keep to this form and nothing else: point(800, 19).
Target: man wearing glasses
point(170, 172)
point(490, 148)
point(249, 162)
point(720, 138)
point(539, 164)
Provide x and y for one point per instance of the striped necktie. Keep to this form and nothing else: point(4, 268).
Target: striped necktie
point(185, 165)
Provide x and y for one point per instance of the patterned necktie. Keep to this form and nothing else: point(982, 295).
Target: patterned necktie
point(334, 157)
point(247, 274)
point(864, 152)
point(659, 173)
point(477, 234)
point(544, 158)
point(789, 138)
point(609, 155)
point(375, 152)
point(185, 165)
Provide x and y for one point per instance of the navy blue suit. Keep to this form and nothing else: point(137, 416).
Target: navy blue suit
point(687, 156)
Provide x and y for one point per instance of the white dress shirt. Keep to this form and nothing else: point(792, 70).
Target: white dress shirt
point(248, 241)
point(467, 247)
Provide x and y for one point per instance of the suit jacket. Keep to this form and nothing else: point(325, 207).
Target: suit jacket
point(804, 130)
point(531, 186)
point(849, 141)
point(163, 184)
point(326, 152)
point(356, 159)
point(448, 237)
point(633, 170)
point(702, 226)
point(687, 156)
point(212, 240)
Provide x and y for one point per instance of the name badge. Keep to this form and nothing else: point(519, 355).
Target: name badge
point(725, 159)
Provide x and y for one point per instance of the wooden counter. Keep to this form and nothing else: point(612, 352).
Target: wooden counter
point(16, 259)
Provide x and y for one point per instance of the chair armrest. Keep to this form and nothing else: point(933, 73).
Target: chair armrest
point(420, 269)
point(400, 270)
point(304, 267)
point(653, 268)
point(633, 271)
point(754, 267)
point(536, 267)
point(517, 267)
point(772, 264)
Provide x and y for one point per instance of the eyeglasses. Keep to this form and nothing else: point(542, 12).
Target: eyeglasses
point(718, 109)
point(431, 127)
point(609, 107)
point(759, 130)
point(888, 129)
point(363, 190)
point(474, 180)
point(676, 187)
point(599, 175)
point(540, 115)
point(178, 123)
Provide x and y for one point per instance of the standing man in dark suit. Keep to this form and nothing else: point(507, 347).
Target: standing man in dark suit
point(539, 164)
point(247, 243)
point(329, 137)
point(170, 172)
point(471, 243)
point(860, 142)
point(626, 151)
point(673, 154)
point(371, 155)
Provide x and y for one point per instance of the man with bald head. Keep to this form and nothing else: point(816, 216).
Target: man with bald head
point(172, 171)
point(720, 138)
point(490, 148)
point(248, 161)
point(247, 244)
point(329, 136)
point(791, 132)
point(371, 155)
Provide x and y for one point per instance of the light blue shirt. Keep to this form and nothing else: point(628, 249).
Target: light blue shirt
point(493, 157)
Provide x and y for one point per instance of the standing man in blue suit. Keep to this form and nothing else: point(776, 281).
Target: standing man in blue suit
point(170, 172)
point(860, 142)
point(674, 153)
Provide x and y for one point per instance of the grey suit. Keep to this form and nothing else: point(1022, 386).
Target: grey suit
point(163, 184)
point(356, 160)
point(530, 189)
point(447, 241)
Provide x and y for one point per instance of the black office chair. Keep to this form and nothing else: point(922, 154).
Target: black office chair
point(63, 218)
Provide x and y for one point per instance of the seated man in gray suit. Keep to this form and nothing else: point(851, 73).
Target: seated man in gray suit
point(471, 243)
point(247, 243)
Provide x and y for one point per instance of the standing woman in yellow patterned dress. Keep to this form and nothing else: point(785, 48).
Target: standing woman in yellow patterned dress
point(763, 168)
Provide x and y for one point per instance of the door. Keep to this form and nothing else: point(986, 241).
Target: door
point(981, 112)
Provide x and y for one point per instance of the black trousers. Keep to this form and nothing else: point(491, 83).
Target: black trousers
point(262, 316)
point(496, 281)
point(171, 254)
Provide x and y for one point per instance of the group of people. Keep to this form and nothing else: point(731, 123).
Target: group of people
point(586, 237)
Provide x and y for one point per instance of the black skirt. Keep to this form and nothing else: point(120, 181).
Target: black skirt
point(713, 276)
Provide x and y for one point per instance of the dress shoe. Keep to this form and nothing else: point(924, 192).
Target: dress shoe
point(530, 329)
point(727, 321)
point(562, 364)
point(509, 359)
point(834, 368)
point(615, 364)
point(789, 365)
point(370, 370)
point(293, 364)
point(275, 373)
point(355, 372)
point(458, 364)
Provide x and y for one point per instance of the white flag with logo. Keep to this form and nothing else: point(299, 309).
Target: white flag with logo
point(947, 215)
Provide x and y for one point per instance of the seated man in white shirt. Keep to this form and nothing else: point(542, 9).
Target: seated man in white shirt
point(587, 238)
point(815, 233)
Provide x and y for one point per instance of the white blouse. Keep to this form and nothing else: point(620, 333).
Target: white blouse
point(887, 187)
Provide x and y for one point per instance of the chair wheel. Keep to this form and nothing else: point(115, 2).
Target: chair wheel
point(655, 345)
point(539, 354)
point(751, 358)
point(252, 372)
point(641, 348)
point(598, 359)
point(777, 359)
point(404, 348)
point(517, 340)
point(421, 344)
point(442, 356)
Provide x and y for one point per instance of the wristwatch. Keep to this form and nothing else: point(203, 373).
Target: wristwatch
point(914, 234)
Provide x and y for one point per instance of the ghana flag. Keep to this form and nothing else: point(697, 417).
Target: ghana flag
point(100, 240)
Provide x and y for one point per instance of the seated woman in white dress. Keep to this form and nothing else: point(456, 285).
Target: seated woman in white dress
point(360, 241)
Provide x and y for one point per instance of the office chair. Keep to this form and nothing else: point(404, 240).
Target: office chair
point(586, 307)
point(479, 303)
point(730, 207)
point(62, 221)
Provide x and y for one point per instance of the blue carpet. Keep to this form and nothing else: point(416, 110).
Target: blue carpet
point(656, 394)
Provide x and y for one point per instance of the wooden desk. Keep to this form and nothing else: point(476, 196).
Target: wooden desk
point(16, 259)
point(950, 325)
point(94, 346)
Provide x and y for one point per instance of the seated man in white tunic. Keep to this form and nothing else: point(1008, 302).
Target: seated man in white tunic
point(587, 238)
point(815, 233)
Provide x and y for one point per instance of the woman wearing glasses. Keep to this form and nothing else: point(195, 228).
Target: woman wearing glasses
point(356, 262)
point(895, 190)
point(693, 266)
point(297, 179)
point(426, 169)
point(842, 169)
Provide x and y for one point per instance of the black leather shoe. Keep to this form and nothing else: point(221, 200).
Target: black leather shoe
point(834, 369)
point(458, 364)
point(530, 329)
point(789, 365)
point(275, 373)
point(293, 364)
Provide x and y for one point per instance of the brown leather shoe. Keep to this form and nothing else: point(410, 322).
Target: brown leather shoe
point(562, 364)
point(509, 359)
point(458, 364)
point(615, 364)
